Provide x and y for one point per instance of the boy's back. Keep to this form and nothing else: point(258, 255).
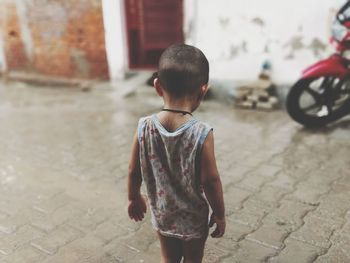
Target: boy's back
point(169, 166)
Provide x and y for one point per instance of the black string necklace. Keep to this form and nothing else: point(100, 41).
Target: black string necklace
point(178, 111)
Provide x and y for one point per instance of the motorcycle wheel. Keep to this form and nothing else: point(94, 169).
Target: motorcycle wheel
point(315, 102)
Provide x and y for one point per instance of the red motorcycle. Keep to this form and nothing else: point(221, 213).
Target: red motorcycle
point(322, 95)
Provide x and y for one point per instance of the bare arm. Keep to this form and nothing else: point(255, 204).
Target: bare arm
point(137, 204)
point(212, 185)
point(134, 173)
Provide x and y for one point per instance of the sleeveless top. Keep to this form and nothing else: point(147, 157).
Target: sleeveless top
point(169, 164)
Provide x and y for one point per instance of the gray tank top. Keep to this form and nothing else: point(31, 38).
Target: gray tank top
point(170, 169)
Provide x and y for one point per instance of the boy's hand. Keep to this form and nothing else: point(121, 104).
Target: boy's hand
point(220, 226)
point(137, 208)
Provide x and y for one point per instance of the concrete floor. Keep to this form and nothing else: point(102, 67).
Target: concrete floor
point(63, 168)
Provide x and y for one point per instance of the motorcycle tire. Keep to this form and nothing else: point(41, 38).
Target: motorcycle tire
point(297, 114)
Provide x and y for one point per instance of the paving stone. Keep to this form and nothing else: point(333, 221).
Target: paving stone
point(52, 204)
point(322, 178)
point(316, 231)
point(346, 228)
point(344, 180)
point(129, 225)
point(339, 251)
point(9, 243)
point(332, 206)
point(284, 181)
point(109, 230)
point(87, 249)
point(339, 239)
point(267, 170)
point(90, 219)
point(334, 255)
point(270, 194)
point(120, 252)
point(223, 165)
point(289, 214)
point(27, 254)
point(245, 217)
point(257, 206)
point(234, 198)
point(270, 234)
point(48, 222)
point(251, 252)
point(12, 223)
point(253, 161)
point(10, 205)
point(277, 161)
point(53, 241)
point(141, 239)
point(151, 255)
point(39, 194)
point(309, 194)
point(253, 182)
point(236, 231)
point(235, 173)
point(214, 254)
point(3, 216)
point(297, 250)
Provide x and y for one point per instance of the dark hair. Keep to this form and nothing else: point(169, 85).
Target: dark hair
point(183, 69)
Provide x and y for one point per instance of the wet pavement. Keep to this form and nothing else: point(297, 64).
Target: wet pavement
point(63, 169)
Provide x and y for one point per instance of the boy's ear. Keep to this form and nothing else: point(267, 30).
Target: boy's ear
point(204, 90)
point(157, 86)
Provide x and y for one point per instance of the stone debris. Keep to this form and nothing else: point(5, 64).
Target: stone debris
point(260, 94)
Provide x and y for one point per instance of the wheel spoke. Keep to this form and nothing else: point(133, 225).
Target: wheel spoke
point(344, 91)
point(311, 107)
point(313, 93)
point(324, 84)
point(330, 108)
point(338, 86)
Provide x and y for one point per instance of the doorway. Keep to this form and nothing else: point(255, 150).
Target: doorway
point(152, 25)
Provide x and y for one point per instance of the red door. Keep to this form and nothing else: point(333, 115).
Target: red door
point(152, 25)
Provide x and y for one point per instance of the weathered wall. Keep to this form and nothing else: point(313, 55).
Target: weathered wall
point(55, 37)
point(237, 36)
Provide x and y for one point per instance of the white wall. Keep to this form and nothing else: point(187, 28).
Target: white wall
point(3, 64)
point(115, 38)
point(237, 36)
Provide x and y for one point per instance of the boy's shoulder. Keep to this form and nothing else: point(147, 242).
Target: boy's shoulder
point(144, 118)
point(198, 122)
point(203, 124)
point(143, 122)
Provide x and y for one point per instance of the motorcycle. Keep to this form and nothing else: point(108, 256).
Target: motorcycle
point(322, 95)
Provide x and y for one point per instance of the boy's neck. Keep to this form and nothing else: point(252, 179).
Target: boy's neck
point(184, 105)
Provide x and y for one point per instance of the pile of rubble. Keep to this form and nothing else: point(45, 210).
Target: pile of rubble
point(260, 95)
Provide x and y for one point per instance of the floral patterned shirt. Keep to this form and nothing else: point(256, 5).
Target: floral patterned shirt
point(170, 169)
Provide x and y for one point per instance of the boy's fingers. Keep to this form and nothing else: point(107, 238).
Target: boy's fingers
point(131, 214)
point(215, 233)
point(220, 233)
point(139, 215)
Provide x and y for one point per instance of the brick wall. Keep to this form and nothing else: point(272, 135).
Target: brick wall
point(55, 37)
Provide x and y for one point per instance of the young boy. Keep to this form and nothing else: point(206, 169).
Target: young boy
point(174, 154)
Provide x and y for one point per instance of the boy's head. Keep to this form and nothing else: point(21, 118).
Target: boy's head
point(183, 70)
